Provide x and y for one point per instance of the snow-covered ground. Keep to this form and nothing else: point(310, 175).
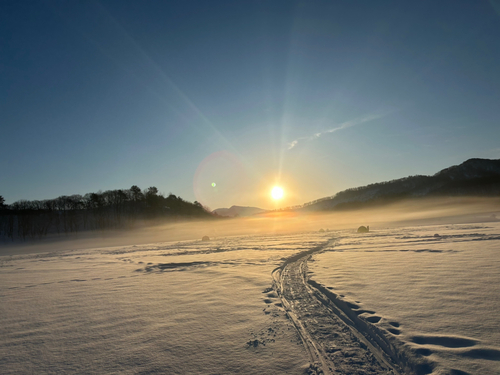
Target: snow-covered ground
point(179, 308)
point(436, 289)
point(196, 307)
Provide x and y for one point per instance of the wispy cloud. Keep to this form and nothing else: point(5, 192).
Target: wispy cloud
point(342, 126)
point(293, 144)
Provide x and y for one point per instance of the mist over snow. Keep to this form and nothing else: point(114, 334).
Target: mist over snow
point(224, 306)
point(238, 211)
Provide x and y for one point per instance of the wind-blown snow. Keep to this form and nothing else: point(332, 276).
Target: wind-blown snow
point(207, 307)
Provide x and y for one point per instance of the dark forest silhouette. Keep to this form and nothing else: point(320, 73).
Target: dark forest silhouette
point(111, 209)
point(123, 208)
point(474, 177)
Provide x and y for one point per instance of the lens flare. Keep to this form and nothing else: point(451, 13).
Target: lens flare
point(277, 192)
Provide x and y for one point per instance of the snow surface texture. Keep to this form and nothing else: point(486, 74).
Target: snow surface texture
point(434, 290)
point(405, 300)
point(176, 308)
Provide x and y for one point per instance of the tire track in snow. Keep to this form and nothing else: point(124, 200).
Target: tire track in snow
point(334, 346)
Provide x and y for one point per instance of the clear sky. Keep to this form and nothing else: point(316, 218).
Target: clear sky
point(218, 101)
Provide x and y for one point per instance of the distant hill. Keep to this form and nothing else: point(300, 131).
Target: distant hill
point(474, 177)
point(108, 210)
point(240, 211)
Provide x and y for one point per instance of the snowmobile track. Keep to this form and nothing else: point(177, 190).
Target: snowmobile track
point(334, 342)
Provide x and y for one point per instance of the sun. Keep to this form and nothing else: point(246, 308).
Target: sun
point(277, 192)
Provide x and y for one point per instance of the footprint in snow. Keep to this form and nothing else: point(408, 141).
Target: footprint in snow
point(394, 331)
point(373, 319)
point(445, 341)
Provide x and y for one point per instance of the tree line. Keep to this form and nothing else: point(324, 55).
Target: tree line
point(480, 184)
point(111, 209)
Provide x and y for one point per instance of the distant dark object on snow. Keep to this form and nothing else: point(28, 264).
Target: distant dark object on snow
point(321, 230)
point(363, 229)
point(205, 238)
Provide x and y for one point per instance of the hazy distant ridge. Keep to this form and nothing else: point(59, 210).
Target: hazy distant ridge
point(474, 177)
point(240, 211)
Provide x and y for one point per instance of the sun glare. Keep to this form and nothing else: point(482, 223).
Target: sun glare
point(277, 192)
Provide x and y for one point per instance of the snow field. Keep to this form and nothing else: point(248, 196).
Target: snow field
point(435, 289)
point(208, 307)
point(191, 307)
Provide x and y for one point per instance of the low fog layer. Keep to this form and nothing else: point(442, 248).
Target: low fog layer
point(411, 212)
point(422, 299)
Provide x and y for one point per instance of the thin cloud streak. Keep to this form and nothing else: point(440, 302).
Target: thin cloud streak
point(344, 125)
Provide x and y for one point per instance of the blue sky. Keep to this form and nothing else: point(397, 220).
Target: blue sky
point(316, 96)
